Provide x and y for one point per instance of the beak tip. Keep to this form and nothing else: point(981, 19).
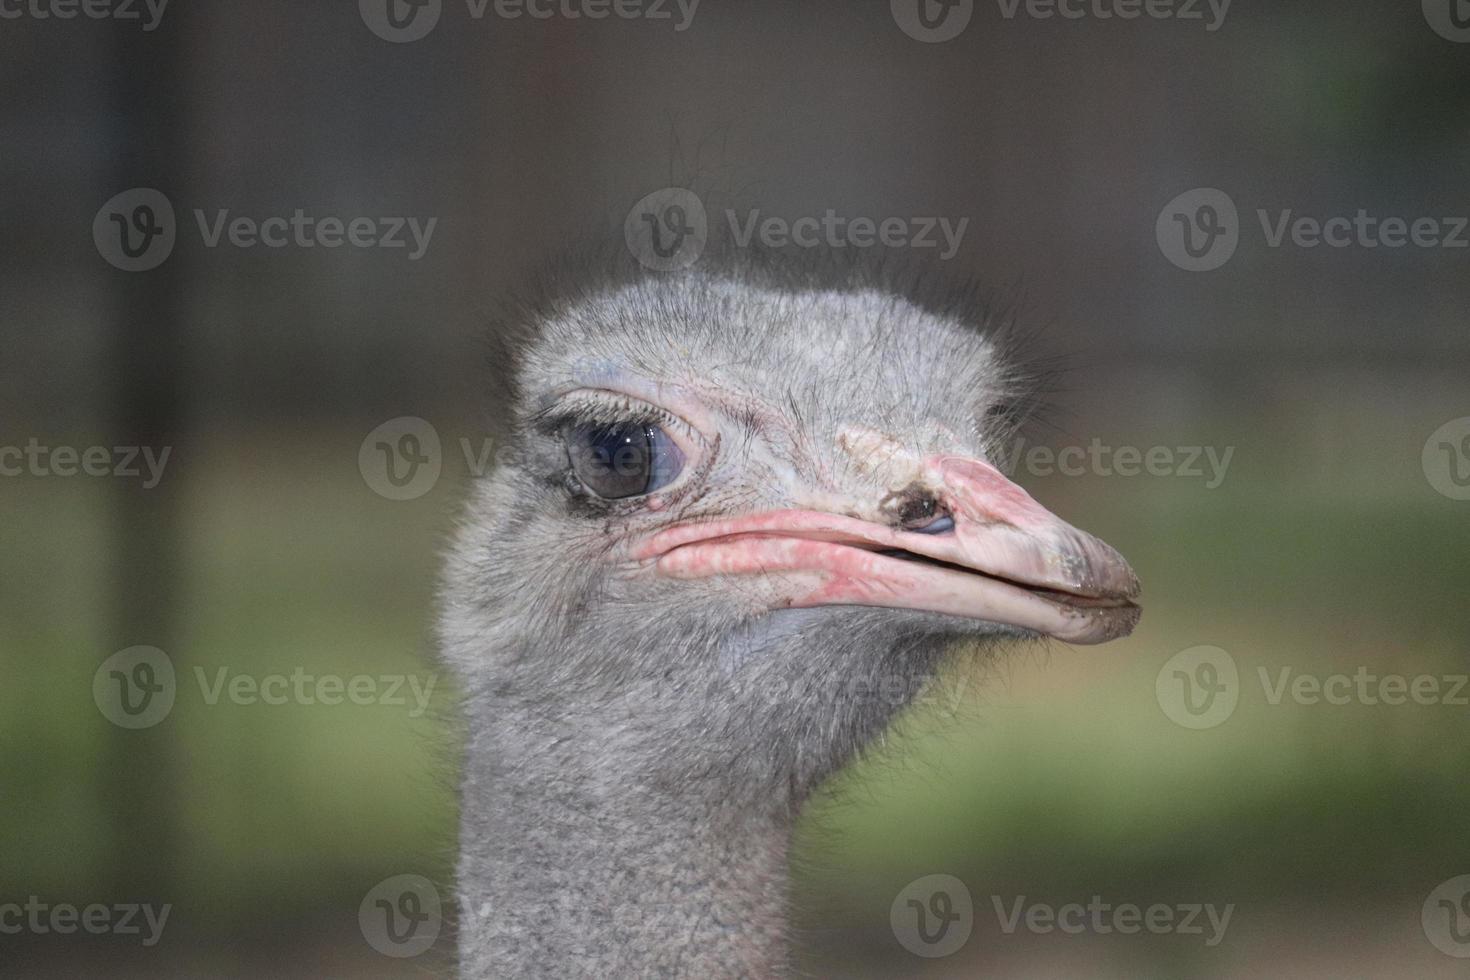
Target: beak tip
point(1104, 626)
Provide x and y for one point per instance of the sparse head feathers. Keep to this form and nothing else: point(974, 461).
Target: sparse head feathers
point(869, 334)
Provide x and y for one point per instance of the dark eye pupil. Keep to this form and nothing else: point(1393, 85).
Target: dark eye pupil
point(613, 460)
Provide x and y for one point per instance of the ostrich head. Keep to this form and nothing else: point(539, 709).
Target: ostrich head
point(741, 518)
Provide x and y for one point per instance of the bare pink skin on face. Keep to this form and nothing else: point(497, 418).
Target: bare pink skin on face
point(1017, 563)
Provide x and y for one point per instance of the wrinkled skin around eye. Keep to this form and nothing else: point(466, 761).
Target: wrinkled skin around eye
point(623, 460)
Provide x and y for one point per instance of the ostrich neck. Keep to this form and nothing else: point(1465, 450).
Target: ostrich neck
point(582, 854)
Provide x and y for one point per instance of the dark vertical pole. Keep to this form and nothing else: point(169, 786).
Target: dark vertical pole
point(149, 145)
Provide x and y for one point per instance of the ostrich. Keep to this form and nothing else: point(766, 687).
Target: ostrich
point(739, 508)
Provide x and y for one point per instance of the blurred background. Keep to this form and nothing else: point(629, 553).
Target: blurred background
point(150, 611)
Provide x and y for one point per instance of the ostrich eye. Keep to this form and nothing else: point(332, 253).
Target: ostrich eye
point(623, 460)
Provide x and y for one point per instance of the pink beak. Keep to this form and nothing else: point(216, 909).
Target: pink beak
point(1007, 559)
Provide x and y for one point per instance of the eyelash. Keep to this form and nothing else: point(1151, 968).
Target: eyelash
point(599, 415)
point(611, 408)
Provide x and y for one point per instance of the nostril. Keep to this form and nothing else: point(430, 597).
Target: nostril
point(916, 509)
point(942, 524)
